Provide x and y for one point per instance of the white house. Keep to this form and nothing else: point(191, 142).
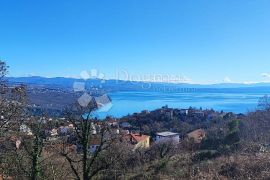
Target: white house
point(63, 130)
point(94, 143)
point(167, 136)
point(112, 122)
point(54, 132)
point(93, 148)
point(184, 112)
point(25, 129)
point(125, 125)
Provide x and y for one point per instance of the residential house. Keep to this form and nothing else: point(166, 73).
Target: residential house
point(197, 136)
point(199, 114)
point(212, 116)
point(112, 122)
point(138, 140)
point(8, 143)
point(183, 112)
point(167, 112)
point(125, 125)
point(58, 146)
point(167, 136)
point(145, 112)
point(54, 132)
point(94, 144)
point(25, 129)
point(2, 177)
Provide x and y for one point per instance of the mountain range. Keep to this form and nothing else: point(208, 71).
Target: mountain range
point(120, 85)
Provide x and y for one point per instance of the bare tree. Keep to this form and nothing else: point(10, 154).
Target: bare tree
point(28, 157)
point(3, 73)
point(85, 164)
point(12, 101)
point(264, 103)
point(13, 104)
point(3, 69)
point(13, 109)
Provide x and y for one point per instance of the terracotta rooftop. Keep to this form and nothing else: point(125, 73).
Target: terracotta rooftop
point(197, 135)
point(138, 137)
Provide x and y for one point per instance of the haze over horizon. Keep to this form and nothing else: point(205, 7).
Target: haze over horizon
point(208, 42)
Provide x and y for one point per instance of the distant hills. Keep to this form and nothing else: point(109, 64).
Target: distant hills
point(119, 85)
point(55, 94)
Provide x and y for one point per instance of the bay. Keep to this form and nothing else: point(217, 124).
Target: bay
point(124, 103)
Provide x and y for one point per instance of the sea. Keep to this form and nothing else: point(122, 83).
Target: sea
point(125, 103)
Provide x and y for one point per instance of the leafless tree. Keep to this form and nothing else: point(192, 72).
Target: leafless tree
point(12, 101)
point(33, 147)
point(85, 165)
point(264, 103)
point(13, 109)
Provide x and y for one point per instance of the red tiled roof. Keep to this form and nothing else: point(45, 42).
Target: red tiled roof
point(138, 137)
point(94, 141)
point(197, 135)
point(10, 138)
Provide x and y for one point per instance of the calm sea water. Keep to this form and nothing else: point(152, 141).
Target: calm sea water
point(124, 103)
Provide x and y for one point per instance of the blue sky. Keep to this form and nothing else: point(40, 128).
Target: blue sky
point(205, 41)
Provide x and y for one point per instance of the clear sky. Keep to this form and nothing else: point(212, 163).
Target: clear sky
point(207, 41)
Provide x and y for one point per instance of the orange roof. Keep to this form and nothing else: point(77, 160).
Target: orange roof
point(95, 141)
point(138, 137)
point(197, 135)
point(13, 138)
point(10, 138)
